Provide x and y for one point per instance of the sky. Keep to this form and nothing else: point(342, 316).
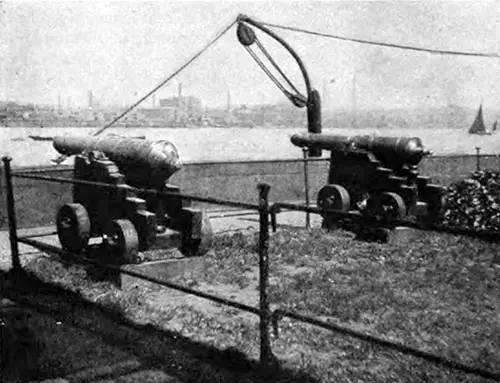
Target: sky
point(121, 50)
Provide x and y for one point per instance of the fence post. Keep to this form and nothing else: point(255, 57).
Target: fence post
point(478, 159)
point(3, 218)
point(265, 315)
point(11, 214)
point(306, 185)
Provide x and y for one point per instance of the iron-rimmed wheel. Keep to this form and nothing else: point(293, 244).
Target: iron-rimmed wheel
point(123, 240)
point(436, 200)
point(387, 206)
point(199, 246)
point(334, 197)
point(73, 227)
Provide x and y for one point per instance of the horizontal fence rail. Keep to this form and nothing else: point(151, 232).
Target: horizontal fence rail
point(262, 207)
point(28, 240)
point(493, 236)
point(267, 317)
point(284, 174)
point(436, 359)
point(62, 180)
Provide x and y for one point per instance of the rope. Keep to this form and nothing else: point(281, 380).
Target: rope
point(265, 69)
point(175, 73)
point(266, 53)
point(297, 99)
point(389, 45)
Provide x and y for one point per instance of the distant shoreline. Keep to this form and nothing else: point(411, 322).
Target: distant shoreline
point(28, 126)
point(213, 144)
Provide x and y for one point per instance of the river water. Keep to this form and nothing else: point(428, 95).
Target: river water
point(232, 144)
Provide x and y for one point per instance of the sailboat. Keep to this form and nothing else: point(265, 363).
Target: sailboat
point(494, 127)
point(478, 124)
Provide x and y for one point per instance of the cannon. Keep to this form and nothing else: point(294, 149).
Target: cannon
point(376, 177)
point(373, 176)
point(128, 221)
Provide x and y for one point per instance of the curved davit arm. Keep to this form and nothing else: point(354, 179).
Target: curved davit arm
point(313, 97)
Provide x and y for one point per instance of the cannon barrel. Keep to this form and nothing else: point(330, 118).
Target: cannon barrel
point(409, 150)
point(160, 158)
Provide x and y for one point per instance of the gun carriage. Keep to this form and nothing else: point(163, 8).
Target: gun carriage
point(128, 221)
point(375, 176)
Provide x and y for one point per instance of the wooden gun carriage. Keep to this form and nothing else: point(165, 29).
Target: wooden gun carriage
point(126, 220)
point(375, 176)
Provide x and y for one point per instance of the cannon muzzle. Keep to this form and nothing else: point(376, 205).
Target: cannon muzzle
point(409, 150)
point(160, 158)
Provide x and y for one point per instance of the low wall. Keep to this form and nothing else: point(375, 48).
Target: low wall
point(446, 170)
point(38, 201)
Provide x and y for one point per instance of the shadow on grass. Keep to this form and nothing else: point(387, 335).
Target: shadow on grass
point(87, 342)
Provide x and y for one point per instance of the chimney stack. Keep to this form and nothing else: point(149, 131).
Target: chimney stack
point(91, 100)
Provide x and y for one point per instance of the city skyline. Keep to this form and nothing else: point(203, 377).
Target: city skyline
point(120, 51)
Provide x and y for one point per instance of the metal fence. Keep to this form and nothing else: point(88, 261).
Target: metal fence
point(285, 176)
point(268, 318)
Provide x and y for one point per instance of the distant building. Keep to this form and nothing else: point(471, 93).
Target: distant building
point(166, 113)
point(185, 107)
point(172, 102)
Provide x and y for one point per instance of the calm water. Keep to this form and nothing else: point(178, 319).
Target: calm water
point(233, 144)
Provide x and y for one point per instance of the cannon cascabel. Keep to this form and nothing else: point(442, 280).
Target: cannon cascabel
point(160, 158)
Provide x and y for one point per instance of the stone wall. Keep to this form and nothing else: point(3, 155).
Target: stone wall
point(38, 201)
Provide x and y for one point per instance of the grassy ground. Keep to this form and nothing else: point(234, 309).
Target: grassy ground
point(96, 342)
point(440, 293)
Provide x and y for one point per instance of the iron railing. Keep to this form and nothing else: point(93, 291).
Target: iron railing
point(267, 216)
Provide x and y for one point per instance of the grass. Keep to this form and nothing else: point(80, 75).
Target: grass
point(440, 294)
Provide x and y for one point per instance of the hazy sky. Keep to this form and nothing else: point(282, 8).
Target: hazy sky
point(121, 50)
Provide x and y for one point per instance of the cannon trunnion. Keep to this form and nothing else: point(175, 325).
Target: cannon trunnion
point(376, 177)
point(129, 222)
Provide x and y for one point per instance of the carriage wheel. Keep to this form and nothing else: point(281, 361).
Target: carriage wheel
point(123, 240)
point(197, 247)
point(334, 197)
point(73, 227)
point(435, 202)
point(387, 207)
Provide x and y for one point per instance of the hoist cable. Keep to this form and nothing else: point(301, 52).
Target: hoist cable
point(297, 99)
point(266, 70)
point(266, 53)
point(388, 45)
point(292, 97)
point(175, 73)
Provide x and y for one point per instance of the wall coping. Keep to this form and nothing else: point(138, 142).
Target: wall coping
point(237, 162)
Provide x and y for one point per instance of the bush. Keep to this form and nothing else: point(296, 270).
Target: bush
point(475, 202)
